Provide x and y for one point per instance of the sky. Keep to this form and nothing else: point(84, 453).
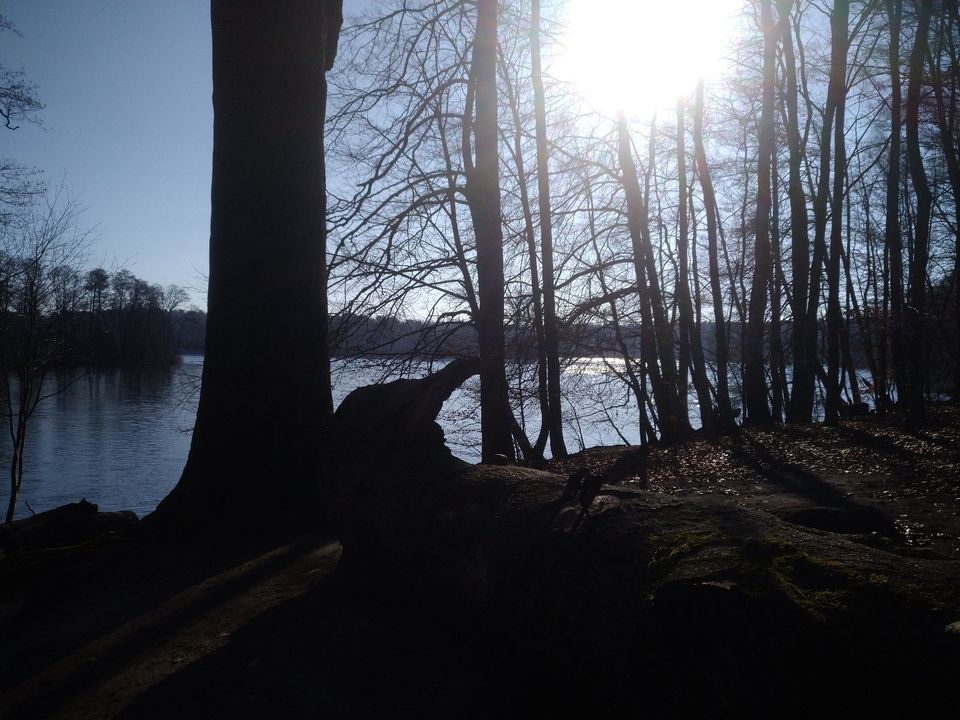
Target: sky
point(127, 127)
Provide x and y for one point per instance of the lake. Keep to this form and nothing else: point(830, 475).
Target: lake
point(120, 438)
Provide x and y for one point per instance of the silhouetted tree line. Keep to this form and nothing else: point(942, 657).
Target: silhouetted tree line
point(129, 321)
point(92, 318)
point(371, 337)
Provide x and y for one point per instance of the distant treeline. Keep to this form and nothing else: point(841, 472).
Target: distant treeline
point(355, 335)
point(58, 316)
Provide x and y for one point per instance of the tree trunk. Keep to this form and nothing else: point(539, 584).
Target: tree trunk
point(257, 456)
point(19, 437)
point(918, 265)
point(839, 20)
point(536, 451)
point(636, 383)
point(862, 323)
point(755, 382)
point(673, 424)
point(812, 366)
point(724, 410)
point(947, 126)
point(555, 422)
point(800, 408)
point(778, 373)
point(483, 194)
point(883, 343)
point(690, 342)
point(894, 243)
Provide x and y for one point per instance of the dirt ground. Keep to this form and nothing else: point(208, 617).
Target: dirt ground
point(117, 628)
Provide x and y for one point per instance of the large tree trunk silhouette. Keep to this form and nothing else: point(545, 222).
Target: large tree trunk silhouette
point(800, 408)
point(839, 20)
point(806, 384)
point(921, 239)
point(257, 454)
point(946, 85)
point(483, 185)
point(755, 382)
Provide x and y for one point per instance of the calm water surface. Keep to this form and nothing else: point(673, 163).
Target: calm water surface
point(120, 438)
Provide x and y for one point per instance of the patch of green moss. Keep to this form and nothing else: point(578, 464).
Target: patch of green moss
point(764, 549)
point(814, 573)
point(827, 587)
point(789, 572)
point(672, 548)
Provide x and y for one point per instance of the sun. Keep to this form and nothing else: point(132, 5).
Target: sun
point(640, 56)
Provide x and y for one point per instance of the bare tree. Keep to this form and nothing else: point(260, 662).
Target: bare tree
point(945, 79)
point(483, 193)
point(755, 384)
point(691, 343)
point(725, 411)
point(924, 200)
point(554, 419)
point(19, 103)
point(814, 111)
point(839, 40)
point(40, 291)
point(674, 424)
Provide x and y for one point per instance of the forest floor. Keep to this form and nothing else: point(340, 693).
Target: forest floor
point(910, 474)
point(117, 628)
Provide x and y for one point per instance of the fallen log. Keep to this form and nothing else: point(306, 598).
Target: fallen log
point(63, 526)
point(623, 598)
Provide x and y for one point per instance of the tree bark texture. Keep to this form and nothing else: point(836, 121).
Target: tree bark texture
point(800, 408)
point(839, 20)
point(484, 197)
point(916, 368)
point(755, 381)
point(257, 454)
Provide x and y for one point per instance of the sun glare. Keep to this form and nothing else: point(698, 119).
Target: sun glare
point(639, 56)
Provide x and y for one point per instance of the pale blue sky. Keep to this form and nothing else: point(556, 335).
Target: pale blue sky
point(127, 125)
